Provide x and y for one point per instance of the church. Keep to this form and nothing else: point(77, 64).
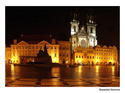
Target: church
point(81, 36)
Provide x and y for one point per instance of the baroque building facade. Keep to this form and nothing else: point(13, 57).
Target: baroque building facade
point(23, 52)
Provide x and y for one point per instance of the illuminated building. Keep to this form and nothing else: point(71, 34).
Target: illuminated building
point(83, 37)
point(82, 45)
point(23, 52)
point(96, 56)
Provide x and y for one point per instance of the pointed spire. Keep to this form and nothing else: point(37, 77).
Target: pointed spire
point(90, 16)
point(75, 15)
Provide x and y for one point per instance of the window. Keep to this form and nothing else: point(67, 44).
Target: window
point(30, 47)
point(22, 47)
point(90, 57)
point(63, 48)
point(59, 48)
point(64, 55)
point(55, 47)
point(74, 28)
point(82, 56)
point(25, 47)
point(13, 54)
point(36, 47)
point(40, 47)
point(97, 57)
point(33, 47)
point(67, 55)
point(55, 54)
point(51, 47)
point(91, 30)
point(76, 56)
point(60, 54)
point(79, 57)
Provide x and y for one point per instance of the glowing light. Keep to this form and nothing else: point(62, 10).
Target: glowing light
point(67, 61)
point(79, 61)
point(11, 58)
point(54, 59)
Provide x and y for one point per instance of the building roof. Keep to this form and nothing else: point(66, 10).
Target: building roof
point(34, 39)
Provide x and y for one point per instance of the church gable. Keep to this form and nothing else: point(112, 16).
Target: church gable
point(22, 43)
point(44, 42)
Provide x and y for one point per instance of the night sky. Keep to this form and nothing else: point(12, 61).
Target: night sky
point(56, 21)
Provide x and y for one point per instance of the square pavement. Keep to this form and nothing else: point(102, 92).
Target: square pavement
point(56, 82)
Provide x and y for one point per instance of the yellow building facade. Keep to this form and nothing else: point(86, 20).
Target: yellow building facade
point(95, 56)
point(23, 52)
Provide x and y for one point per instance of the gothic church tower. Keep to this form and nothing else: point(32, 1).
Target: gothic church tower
point(74, 31)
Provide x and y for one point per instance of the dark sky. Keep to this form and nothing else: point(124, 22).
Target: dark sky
point(56, 21)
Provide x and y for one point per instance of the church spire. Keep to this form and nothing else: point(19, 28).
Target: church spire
point(90, 17)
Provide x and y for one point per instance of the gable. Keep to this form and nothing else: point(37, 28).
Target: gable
point(44, 42)
point(22, 43)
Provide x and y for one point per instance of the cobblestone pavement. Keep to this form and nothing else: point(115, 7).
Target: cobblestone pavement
point(57, 82)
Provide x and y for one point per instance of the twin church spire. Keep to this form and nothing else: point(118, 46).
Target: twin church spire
point(84, 36)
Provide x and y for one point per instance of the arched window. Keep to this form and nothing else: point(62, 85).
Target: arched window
point(74, 28)
point(91, 30)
